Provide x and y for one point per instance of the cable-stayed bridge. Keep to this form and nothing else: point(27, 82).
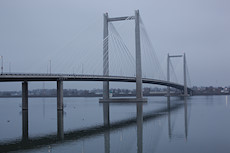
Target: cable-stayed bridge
point(118, 64)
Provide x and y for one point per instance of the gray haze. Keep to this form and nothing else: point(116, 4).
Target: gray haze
point(34, 32)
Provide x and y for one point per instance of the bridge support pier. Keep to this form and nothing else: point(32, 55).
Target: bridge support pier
point(59, 95)
point(25, 95)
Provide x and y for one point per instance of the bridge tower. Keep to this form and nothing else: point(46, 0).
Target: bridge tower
point(185, 78)
point(139, 93)
point(184, 70)
point(106, 56)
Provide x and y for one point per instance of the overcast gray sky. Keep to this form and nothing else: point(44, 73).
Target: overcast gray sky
point(33, 29)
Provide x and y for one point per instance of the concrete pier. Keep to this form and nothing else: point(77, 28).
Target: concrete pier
point(59, 95)
point(25, 95)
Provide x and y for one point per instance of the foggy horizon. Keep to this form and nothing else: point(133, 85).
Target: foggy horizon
point(35, 32)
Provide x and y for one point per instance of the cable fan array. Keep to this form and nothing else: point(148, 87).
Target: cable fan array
point(176, 69)
point(151, 67)
point(83, 54)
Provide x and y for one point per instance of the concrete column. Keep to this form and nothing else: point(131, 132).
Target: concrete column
point(60, 125)
point(106, 114)
point(185, 78)
point(59, 95)
point(139, 94)
point(139, 127)
point(25, 95)
point(168, 76)
point(25, 128)
point(105, 57)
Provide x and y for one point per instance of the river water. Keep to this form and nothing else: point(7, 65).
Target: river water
point(198, 124)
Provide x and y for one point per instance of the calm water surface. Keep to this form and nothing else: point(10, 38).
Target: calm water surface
point(199, 124)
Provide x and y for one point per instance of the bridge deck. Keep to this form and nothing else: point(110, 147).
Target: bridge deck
point(19, 77)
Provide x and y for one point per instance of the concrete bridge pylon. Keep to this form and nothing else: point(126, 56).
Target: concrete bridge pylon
point(139, 92)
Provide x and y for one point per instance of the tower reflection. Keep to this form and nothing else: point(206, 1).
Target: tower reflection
point(169, 119)
point(107, 125)
point(185, 118)
point(170, 132)
point(107, 141)
point(139, 123)
point(106, 114)
point(106, 128)
point(60, 125)
point(139, 127)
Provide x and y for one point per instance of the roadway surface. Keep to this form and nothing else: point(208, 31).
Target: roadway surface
point(20, 77)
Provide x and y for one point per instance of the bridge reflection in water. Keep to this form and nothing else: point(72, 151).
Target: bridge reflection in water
point(37, 142)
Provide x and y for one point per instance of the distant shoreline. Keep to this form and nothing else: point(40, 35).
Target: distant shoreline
point(91, 96)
